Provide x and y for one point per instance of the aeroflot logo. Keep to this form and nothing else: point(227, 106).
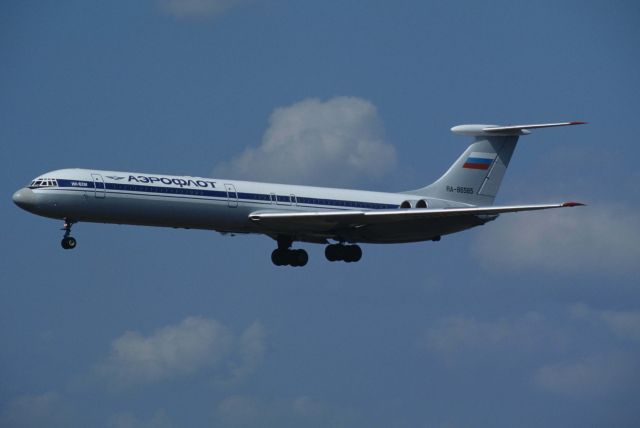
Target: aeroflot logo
point(177, 181)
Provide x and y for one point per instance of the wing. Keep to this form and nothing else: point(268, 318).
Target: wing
point(325, 221)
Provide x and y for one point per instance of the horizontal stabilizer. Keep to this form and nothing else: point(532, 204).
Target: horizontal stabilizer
point(504, 131)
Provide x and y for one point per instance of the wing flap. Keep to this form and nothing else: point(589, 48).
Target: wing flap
point(308, 222)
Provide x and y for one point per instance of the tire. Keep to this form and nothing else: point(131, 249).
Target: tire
point(329, 253)
point(277, 257)
point(68, 243)
point(355, 253)
point(300, 258)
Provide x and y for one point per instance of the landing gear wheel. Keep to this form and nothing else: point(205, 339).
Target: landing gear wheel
point(278, 257)
point(298, 258)
point(332, 252)
point(345, 253)
point(285, 256)
point(353, 253)
point(281, 257)
point(68, 243)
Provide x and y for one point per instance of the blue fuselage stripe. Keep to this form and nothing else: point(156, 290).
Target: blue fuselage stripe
point(219, 194)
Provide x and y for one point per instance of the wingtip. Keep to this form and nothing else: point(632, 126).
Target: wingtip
point(578, 123)
point(573, 204)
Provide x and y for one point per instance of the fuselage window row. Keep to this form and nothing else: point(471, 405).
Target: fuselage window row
point(286, 199)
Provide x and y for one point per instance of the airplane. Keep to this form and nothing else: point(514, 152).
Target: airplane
point(462, 198)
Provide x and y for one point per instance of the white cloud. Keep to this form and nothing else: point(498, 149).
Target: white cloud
point(247, 411)
point(334, 142)
point(180, 350)
point(238, 410)
point(594, 376)
point(624, 324)
point(556, 349)
point(594, 239)
point(128, 420)
point(460, 335)
point(197, 9)
point(556, 334)
point(251, 349)
point(47, 409)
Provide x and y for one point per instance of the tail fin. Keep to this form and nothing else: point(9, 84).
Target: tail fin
point(475, 177)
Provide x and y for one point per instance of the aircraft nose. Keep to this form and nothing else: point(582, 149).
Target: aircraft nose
point(25, 198)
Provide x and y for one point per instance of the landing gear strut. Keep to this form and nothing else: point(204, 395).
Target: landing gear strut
point(345, 253)
point(284, 256)
point(68, 242)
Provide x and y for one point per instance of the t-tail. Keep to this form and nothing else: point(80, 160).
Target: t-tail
point(475, 177)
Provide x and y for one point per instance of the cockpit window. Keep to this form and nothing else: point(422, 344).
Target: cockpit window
point(43, 182)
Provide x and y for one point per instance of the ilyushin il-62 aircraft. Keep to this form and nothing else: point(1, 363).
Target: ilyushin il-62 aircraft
point(338, 218)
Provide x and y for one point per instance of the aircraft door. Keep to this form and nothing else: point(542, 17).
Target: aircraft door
point(232, 195)
point(98, 186)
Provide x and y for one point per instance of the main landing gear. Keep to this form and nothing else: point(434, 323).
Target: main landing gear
point(345, 253)
point(68, 242)
point(285, 256)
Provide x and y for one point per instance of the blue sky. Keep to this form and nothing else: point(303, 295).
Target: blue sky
point(532, 320)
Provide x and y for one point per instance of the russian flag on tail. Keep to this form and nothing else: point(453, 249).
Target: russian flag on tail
point(479, 160)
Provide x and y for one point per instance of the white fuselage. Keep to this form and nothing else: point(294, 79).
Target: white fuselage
point(82, 195)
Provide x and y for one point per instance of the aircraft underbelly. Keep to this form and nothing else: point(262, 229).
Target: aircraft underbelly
point(382, 233)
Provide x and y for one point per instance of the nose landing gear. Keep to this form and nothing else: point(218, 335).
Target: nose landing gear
point(68, 242)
